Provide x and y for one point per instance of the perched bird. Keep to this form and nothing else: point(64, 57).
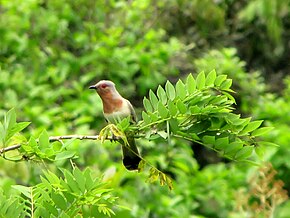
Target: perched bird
point(115, 108)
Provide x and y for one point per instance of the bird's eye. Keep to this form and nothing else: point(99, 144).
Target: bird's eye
point(104, 86)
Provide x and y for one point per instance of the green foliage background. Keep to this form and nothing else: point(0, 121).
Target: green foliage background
point(51, 51)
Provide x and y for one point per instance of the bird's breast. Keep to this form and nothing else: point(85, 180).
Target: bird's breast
point(118, 115)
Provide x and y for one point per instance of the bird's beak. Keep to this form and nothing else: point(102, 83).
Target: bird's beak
point(93, 87)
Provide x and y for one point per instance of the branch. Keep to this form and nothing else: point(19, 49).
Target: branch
point(58, 138)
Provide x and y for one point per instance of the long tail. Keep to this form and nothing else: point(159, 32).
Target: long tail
point(130, 155)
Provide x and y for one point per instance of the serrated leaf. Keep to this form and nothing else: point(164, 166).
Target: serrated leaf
point(170, 90)
point(190, 84)
point(244, 153)
point(180, 90)
point(147, 105)
point(210, 78)
point(162, 110)
point(200, 81)
point(161, 95)
point(261, 131)
point(153, 99)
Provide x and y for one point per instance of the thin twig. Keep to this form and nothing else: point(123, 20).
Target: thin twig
point(59, 138)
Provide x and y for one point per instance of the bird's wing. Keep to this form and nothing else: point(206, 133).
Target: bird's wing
point(132, 112)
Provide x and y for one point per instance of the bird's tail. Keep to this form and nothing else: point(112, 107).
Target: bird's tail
point(131, 156)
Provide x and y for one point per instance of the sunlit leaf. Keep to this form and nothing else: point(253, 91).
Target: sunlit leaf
point(261, 131)
point(170, 90)
point(190, 84)
point(210, 78)
point(161, 95)
point(200, 81)
point(180, 90)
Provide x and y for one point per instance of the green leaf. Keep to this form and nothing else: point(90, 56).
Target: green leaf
point(153, 99)
point(209, 81)
point(221, 143)
point(233, 148)
point(262, 131)
point(200, 81)
point(59, 200)
point(226, 84)
point(251, 127)
point(229, 96)
point(89, 181)
point(17, 128)
point(161, 95)
point(170, 90)
point(181, 107)
point(190, 84)
point(219, 80)
point(195, 109)
point(260, 151)
point(43, 140)
point(180, 90)
point(70, 180)
point(64, 155)
point(24, 190)
point(147, 105)
point(10, 119)
point(244, 153)
point(51, 209)
point(271, 144)
point(208, 139)
point(162, 110)
point(172, 108)
point(146, 117)
point(80, 179)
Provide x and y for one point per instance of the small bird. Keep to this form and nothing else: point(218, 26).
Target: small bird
point(115, 108)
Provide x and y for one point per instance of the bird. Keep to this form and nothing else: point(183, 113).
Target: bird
point(115, 108)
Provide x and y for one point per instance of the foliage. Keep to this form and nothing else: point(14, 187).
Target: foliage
point(51, 51)
point(200, 110)
point(77, 194)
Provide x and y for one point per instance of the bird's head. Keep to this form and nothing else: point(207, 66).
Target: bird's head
point(104, 87)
